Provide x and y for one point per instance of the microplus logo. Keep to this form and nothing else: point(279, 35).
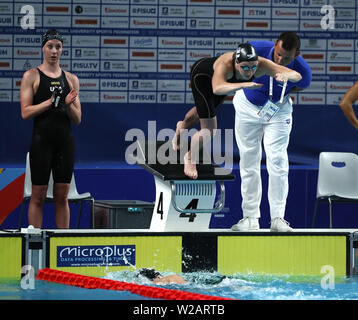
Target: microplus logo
point(94, 256)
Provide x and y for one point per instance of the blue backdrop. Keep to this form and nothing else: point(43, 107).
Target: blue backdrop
point(100, 138)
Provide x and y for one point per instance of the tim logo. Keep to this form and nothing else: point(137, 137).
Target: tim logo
point(95, 256)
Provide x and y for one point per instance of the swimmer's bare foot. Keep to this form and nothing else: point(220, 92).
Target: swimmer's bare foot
point(190, 167)
point(176, 138)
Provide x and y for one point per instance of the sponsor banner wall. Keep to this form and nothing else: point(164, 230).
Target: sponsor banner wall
point(133, 59)
point(160, 39)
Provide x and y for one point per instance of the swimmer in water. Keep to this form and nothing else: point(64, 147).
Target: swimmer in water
point(157, 278)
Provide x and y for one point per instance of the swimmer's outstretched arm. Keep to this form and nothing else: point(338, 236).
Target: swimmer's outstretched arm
point(280, 73)
point(222, 87)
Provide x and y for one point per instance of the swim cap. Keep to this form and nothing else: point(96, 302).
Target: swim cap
point(50, 35)
point(149, 273)
point(245, 52)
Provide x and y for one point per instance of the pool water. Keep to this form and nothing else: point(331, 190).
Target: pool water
point(257, 287)
point(241, 287)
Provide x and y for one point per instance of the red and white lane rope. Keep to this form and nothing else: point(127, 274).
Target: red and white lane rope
point(88, 282)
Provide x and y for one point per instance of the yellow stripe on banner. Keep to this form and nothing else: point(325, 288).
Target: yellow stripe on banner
point(10, 258)
point(159, 252)
point(1, 170)
point(291, 255)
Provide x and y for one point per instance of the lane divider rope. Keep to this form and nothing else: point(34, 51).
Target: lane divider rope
point(73, 279)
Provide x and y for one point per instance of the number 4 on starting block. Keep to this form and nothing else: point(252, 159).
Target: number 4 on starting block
point(184, 204)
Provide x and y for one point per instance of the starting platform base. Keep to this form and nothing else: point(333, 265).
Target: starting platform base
point(98, 252)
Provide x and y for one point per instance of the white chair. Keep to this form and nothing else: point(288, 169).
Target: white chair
point(73, 195)
point(337, 180)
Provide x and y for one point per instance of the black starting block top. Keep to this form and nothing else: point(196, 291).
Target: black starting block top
point(154, 156)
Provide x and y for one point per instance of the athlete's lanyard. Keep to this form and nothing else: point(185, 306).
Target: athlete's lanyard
point(282, 92)
point(269, 109)
point(271, 83)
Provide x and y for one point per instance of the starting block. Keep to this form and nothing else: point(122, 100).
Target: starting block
point(181, 204)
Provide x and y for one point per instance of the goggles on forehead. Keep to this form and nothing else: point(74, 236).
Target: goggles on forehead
point(248, 68)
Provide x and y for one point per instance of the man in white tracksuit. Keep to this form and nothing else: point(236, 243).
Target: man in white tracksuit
point(265, 114)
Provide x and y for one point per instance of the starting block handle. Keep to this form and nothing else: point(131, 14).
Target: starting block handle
point(216, 209)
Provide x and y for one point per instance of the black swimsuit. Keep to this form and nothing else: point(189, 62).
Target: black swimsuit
point(201, 74)
point(52, 146)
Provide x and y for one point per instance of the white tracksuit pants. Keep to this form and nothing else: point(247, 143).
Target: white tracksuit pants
point(250, 131)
